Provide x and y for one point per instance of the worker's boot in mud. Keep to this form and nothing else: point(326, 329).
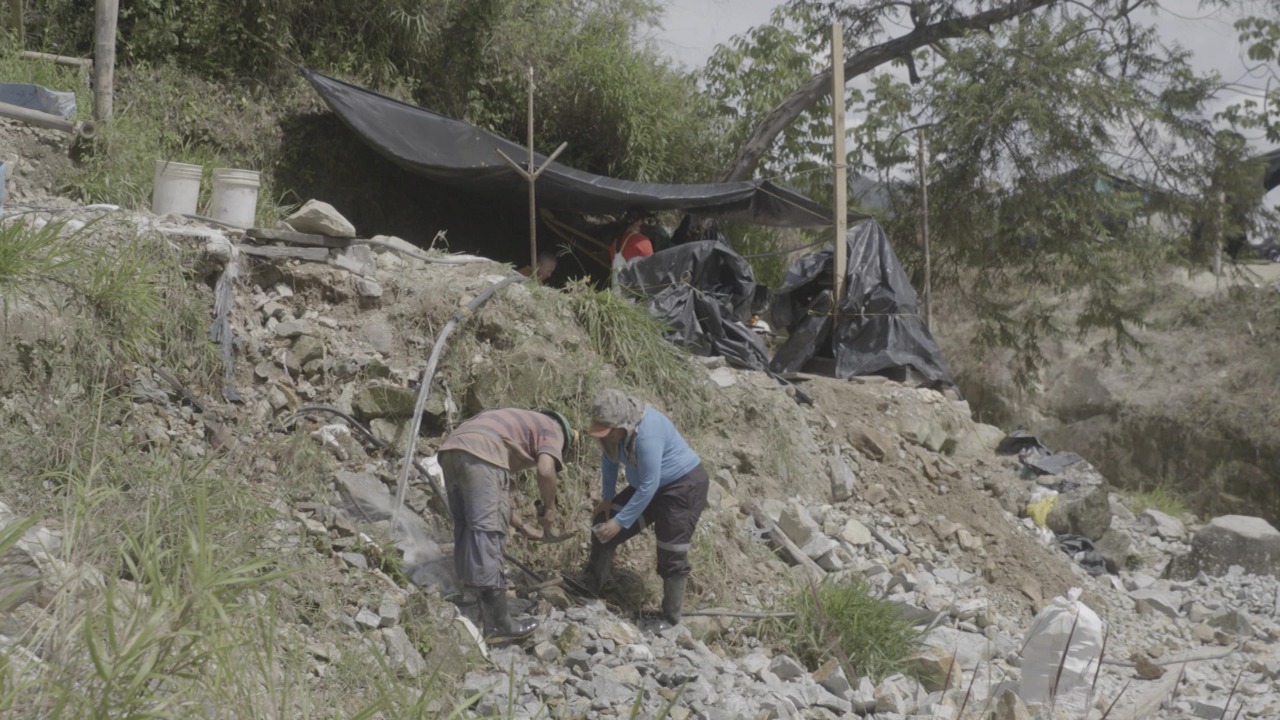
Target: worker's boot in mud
point(673, 598)
point(599, 567)
point(499, 626)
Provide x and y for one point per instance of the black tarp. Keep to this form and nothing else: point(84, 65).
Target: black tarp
point(461, 155)
point(880, 327)
point(703, 291)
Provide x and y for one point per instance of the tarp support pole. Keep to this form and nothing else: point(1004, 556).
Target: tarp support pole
point(106, 13)
point(841, 184)
point(531, 176)
point(1218, 235)
point(921, 154)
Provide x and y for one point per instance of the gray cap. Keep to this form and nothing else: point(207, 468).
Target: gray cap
point(614, 409)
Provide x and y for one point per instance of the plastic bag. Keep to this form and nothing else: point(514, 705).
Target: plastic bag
point(1042, 502)
point(1060, 656)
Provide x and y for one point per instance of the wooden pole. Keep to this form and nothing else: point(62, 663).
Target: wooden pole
point(533, 212)
point(921, 153)
point(1218, 234)
point(106, 12)
point(840, 183)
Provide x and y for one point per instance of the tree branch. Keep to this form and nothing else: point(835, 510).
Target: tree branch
point(860, 63)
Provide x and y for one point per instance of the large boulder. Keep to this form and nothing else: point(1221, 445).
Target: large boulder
point(1082, 510)
point(1250, 542)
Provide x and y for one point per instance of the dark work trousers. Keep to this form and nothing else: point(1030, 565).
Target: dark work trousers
point(673, 512)
point(481, 510)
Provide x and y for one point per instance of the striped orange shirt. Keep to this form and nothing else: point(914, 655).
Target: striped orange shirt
point(510, 438)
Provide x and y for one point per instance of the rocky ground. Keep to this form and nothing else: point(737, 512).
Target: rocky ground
point(875, 481)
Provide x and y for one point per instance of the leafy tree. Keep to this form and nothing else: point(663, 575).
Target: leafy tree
point(1066, 149)
point(601, 86)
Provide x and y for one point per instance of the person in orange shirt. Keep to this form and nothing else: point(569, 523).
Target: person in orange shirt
point(633, 244)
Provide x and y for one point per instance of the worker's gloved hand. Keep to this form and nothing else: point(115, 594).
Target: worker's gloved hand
point(602, 509)
point(608, 531)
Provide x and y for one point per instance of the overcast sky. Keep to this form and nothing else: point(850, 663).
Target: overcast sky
point(692, 28)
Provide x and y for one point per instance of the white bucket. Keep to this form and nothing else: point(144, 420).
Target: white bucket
point(235, 197)
point(177, 188)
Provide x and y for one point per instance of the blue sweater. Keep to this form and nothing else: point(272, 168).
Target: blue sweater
point(662, 457)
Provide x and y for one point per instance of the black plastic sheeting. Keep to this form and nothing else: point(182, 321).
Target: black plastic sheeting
point(461, 155)
point(1035, 455)
point(880, 327)
point(703, 291)
point(1081, 549)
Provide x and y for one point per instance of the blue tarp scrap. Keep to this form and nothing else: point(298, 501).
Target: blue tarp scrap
point(42, 99)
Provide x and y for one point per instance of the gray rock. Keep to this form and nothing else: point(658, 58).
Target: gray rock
point(321, 218)
point(1162, 524)
point(864, 697)
point(401, 653)
point(843, 482)
point(1235, 622)
point(889, 542)
point(292, 328)
point(818, 546)
point(831, 677)
point(577, 659)
point(1083, 511)
point(389, 612)
point(356, 560)
point(384, 400)
point(546, 652)
point(367, 288)
point(895, 694)
point(754, 663)
point(855, 533)
point(368, 619)
point(1166, 602)
point(379, 336)
point(969, 649)
point(305, 349)
point(1249, 542)
point(786, 668)
point(1207, 708)
point(1115, 547)
point(724, 377)
point(357, 259)
point(797, 524)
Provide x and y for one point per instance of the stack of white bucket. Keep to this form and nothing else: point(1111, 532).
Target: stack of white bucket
point(177, 190)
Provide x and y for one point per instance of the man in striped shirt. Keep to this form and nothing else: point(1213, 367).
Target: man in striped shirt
point(478, 460)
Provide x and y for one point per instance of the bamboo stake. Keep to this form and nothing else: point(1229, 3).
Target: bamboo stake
point(921, 154)
point(531, 175)
point(57, 59)
point(840, 181)
point(106, 13)
point(1217, 242)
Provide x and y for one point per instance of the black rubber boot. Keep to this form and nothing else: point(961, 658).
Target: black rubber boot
point(499, 627)
point(673, 598)
point(598, 568)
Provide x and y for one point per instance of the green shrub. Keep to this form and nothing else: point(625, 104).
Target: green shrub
point(1161, 497)
point(845, 620)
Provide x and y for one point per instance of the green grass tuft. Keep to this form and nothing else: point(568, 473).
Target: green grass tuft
point(1161, 497)
point(847, 621)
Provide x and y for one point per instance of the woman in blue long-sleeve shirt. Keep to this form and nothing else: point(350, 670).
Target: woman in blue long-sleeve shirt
point(666, 488)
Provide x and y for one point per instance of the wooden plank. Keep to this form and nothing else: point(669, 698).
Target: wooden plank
point(297, 238)
point(310, 254)
point(776, 534)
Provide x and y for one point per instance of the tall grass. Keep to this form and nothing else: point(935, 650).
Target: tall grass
point(624, 335)
point(847, 622)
